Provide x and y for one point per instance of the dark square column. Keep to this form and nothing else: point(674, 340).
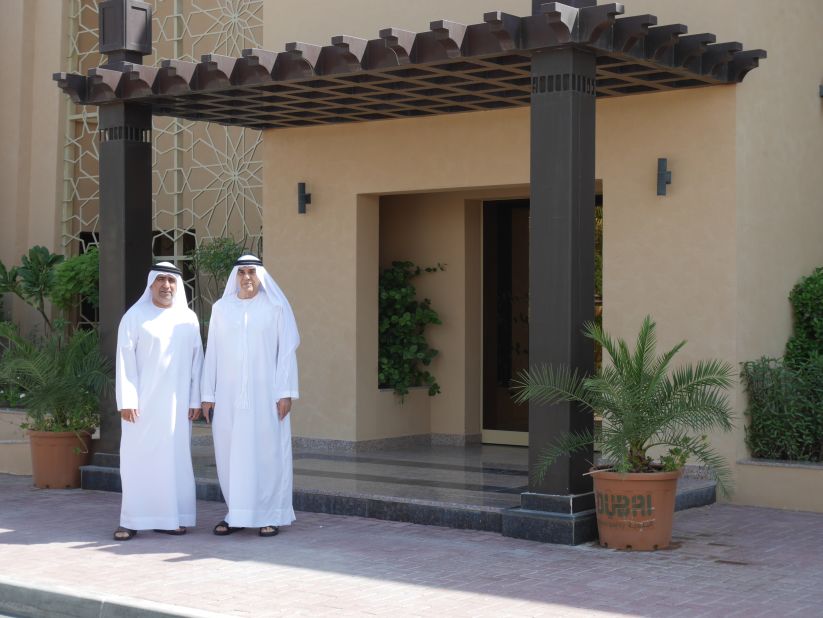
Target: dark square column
point(560, 509)
point(125, 230)
point(124, 134)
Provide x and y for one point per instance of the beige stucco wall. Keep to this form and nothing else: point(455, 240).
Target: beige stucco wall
point(765, 234)
point(445, 228)
point(316, 22)
point(31, 124)
point(15, 454)
point(327, 259)
point(779, 146)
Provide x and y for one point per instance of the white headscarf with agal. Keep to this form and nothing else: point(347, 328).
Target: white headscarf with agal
point(166, 268)
point(272, 293)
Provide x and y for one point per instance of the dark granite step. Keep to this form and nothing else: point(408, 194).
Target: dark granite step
point(104, 475)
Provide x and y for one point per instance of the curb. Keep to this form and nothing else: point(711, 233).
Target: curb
point(29, 601)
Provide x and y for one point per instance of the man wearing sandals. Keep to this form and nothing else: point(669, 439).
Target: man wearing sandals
point(159, 360)
point(249, 381)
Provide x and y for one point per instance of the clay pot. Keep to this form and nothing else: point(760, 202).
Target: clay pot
point(635, 510)
point(56, 458)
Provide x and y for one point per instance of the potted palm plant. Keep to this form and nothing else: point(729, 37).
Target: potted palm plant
point(61, 375)
point(62, 378)
point(646, 405)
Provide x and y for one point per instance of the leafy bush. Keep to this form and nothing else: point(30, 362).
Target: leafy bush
point(807, 304)
point(77, 278)
point(62, 377)
point(402, 322)
point(785, 409)
point(34, 280)
point(213, 260)
point(215, 257)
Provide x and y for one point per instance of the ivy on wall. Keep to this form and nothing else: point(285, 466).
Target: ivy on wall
point(404, 353)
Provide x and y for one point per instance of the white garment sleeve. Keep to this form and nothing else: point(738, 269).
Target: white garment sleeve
point(196, 369)
point(127, 380)
point(285, 374)
point(208, 383)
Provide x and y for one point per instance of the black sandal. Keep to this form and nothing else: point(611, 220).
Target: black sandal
point(227, 529)
point(273, 531)
point(179, 532)
point(128, 532)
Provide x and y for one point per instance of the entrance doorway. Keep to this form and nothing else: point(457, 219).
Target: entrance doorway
point(505, 318)
point(506, 312)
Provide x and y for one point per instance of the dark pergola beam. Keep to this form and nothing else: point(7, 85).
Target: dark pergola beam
point(450, 68)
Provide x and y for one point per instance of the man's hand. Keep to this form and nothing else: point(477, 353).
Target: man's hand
point(194, 414)
point(283, 407)
point(129, 415)
point(208, 410)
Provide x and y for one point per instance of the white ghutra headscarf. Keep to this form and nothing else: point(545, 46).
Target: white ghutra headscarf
point(273, 294)
point(166, 268)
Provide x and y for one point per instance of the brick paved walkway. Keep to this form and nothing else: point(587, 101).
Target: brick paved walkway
point(730, 561)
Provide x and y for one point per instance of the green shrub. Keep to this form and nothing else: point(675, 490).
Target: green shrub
point(215, 258)
point(34, 280)
point(402, 321)
point(77, 278)
point(785, 409)
point(807, 304)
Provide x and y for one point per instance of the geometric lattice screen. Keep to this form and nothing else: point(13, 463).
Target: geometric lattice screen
point(206, 179)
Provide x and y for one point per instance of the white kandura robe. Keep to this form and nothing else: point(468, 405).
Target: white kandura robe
point(159, 362)
point(245, 374)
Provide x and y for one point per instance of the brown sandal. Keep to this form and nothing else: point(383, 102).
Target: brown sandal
point(180, 531)
point(269, 531)
point(227, 529)
point(128, 533)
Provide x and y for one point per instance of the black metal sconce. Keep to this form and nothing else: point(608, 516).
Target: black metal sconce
point(664, 176)
point(821, 91)
point(303, 198)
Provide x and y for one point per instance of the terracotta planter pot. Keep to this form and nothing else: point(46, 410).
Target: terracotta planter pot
point(635, 511)
point(55, 459)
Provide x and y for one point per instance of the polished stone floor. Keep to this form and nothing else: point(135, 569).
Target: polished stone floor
point(477, 475)
point(484, 477)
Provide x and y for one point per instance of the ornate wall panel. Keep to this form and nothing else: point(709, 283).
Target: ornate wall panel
point(207, 179)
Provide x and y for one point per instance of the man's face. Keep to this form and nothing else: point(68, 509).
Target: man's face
point(247, 281)
point(163, 290)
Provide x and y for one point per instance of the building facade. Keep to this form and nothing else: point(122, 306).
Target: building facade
point(712, 261)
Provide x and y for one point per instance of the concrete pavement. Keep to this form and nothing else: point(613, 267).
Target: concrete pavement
point(728, 561)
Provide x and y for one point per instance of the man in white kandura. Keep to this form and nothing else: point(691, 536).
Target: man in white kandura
point(159, 360)
point(249, 381)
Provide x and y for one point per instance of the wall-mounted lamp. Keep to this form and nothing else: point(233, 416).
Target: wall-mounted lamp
point(303, 198)
point(664, 176)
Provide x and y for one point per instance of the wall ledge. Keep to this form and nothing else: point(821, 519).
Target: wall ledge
point(781, 463)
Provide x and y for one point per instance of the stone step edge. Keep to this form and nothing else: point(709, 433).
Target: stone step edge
point(28, 600)
point(408, 510)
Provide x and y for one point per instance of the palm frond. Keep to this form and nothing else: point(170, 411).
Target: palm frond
point(698, 447)
point(565, 444)
point(547, 385)
point(63, 378)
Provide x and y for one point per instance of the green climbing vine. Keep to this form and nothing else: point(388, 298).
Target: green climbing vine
point(404, 352)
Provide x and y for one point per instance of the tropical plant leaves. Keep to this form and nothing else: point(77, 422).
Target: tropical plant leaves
point(643, 401)
point(62, 376)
